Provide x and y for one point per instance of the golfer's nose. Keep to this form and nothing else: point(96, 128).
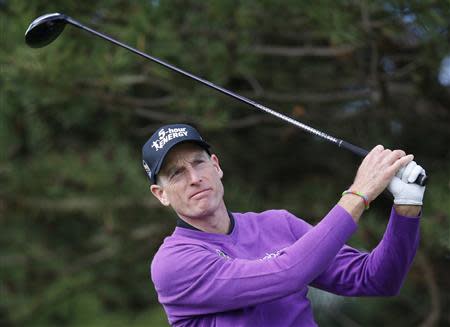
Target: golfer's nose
point(194, 176)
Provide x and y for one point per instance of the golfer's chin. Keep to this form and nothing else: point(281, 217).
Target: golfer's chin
point(201, 212)
point(201, 209)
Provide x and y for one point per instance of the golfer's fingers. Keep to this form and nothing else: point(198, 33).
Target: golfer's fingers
point(400, 172)
point(390, 157)
point(373, 155)
point(401, 162)
point(415, 173)
point(375, 151)
point(407, 171)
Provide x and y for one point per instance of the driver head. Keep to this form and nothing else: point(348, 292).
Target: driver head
point(44, 29)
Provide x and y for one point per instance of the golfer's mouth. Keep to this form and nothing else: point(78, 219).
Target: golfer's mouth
point(199, 194)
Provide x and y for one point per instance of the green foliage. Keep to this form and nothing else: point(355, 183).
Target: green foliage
point(78, 224)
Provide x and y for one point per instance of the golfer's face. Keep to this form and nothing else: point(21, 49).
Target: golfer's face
point(191, 181)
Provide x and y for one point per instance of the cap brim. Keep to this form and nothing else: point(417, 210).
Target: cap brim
point(166, 150)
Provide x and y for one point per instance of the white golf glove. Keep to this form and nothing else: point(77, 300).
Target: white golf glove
point(403, 188)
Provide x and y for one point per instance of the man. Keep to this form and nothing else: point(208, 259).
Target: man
point(252, 269)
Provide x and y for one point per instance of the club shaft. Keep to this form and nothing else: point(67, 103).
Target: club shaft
point(340, 143)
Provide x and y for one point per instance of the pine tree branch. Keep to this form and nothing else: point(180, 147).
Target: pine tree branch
point(305, 51)
point(81, 203)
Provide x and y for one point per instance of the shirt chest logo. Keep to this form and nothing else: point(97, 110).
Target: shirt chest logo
point(222, 254)
point(268, 256)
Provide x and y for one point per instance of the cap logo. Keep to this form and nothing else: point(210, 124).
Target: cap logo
point(147, 169)
point(167, 135)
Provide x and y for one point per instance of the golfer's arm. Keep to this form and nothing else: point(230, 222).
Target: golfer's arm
point(380, 272)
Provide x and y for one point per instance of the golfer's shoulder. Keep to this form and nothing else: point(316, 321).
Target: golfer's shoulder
point(274, 220)
point(179, 251)
point(176, 247)
point(272, 215)
point(178, 256)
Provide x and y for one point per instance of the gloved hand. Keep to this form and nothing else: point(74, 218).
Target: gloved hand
point(403, 188)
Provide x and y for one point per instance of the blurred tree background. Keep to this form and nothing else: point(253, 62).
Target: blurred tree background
point(78, 223)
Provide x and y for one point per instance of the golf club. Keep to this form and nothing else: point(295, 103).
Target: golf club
point(46, 28)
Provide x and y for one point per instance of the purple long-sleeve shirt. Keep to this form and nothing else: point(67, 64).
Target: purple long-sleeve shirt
point(258, 275)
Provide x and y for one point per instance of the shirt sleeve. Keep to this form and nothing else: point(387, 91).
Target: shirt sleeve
point(380, 272)
point(193, 280)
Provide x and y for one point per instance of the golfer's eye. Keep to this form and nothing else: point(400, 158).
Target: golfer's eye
point(198, 162)
point(176, 173)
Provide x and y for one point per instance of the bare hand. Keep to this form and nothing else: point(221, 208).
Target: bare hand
point(377, 170)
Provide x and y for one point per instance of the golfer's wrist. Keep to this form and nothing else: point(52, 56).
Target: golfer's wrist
point(412, 211)
point(353, 204)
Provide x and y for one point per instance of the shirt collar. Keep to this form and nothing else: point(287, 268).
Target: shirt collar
point(182, 223)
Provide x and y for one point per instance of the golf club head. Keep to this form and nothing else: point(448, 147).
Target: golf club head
point(45, 29)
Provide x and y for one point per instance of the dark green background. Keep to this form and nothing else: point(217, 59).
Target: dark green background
point(78, 225)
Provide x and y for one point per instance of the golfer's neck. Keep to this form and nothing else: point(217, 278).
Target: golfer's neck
point(217, 223)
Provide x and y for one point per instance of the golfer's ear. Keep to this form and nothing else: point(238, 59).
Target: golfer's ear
point(216, 164)
point(160, 194)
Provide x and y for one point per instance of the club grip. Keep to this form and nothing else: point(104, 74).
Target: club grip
point(420, 180)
